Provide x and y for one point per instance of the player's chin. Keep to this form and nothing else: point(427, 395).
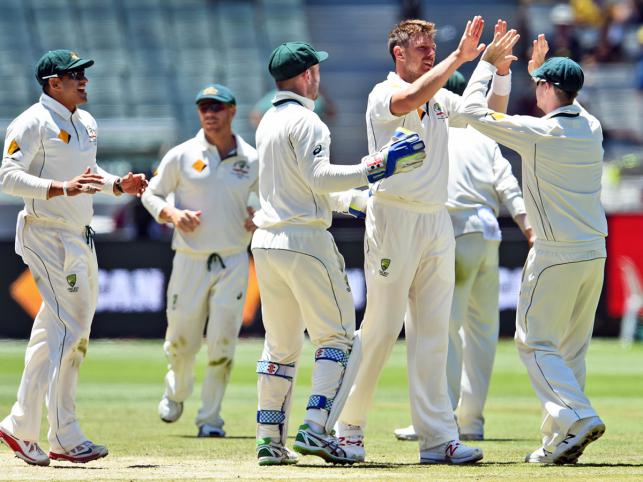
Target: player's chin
point(81, 97)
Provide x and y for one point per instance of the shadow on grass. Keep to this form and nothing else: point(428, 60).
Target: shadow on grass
point(76, 467)
point(503, 440)
point(151, 466)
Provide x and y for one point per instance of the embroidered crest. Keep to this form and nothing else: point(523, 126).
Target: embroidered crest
point(71, 281)
point(317, 149)
point(384, 265)
point(92, 134)
point(241, 168)
point(439, 113)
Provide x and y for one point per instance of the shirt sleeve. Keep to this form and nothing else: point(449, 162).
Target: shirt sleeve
point(110, 179)
point(311, 143)
point(517, 132)
point(20, 147)
point(162, 185)
point(506, 185)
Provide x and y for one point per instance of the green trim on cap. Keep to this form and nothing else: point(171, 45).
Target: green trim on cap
point(56, 62)
point(216, 92)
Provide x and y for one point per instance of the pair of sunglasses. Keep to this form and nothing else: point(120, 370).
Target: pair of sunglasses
point(206, 107)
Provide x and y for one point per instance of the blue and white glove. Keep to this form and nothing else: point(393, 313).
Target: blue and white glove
point(357, 206)
point(403, 153)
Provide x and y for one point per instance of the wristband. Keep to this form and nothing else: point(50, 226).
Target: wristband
point(117, 183)
point(65, 188)
point(501, 84)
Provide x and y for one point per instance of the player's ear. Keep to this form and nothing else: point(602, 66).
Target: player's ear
point(398, 53)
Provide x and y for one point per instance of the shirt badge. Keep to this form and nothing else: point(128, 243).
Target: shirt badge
point(199, 165)
point(241, 168)
point(439, 113)
point(13, 147)
point(64, 136)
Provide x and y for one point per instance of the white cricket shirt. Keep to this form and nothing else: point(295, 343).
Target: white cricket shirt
point(480, 179)
point(295, 173)
point(202, 181)
point(45, 143)
point(562, 162)
point(426, 185)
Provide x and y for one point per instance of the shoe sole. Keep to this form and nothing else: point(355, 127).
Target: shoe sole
point(9, 442)
point(406, 438)
point(214, 435)
point(263, 461)
point(76, 460)
point(320, 452)
point(450, 461)
point(573, 453)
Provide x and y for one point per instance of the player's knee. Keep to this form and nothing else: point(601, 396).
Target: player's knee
point(79, 351)
point(179, 346)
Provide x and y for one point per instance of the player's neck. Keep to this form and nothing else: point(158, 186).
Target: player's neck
point(223, 141)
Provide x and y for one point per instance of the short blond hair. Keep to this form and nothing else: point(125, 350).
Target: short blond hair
point(404, 31)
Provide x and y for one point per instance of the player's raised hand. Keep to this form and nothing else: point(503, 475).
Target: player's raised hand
point(87, 183)
point(538, 53)
point(470, 46)
point(499, 31)
point(185, 220)
point(499, 52)
point(134, 184)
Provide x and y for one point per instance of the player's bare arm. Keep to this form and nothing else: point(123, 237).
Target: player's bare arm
point(428, 84)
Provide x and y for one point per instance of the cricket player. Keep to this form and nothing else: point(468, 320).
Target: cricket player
point(409, 244)
point(50, 161)
point(211, 177)
point(300, 271)
point(562, 158)
point(480, 179)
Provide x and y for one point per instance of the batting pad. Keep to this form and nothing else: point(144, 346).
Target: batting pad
point(350, 372)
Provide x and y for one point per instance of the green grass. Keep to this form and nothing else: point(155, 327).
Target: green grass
point(121, 382)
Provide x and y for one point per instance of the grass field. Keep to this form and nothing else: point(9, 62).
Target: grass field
point(121, 382)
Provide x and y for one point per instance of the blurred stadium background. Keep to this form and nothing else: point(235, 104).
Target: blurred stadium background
point(152, 56)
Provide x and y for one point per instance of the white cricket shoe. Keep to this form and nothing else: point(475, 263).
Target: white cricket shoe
point(580, 435)
point(30, 452)
point(452, 452)
point(540, 456)
point(82, 453)
point(406, 434)
point(208, 430)
point(270, 452)
point(324, 445)
point(351, 439)
point(169, 410)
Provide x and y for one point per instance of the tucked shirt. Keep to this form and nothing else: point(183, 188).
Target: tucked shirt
point(201, 181)
point(49, 143)
point(480, 180)
point(426, 185)
point(562, 157)
point(295, 173)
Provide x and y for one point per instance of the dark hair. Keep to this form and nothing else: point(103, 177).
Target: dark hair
point(407, 29)
point(564, 97)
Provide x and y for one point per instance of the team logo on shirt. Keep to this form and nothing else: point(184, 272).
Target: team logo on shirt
point(64, 136)
point(317, 149)
point(92, 134)
point(199, 165)
point(13, 147)
point(71, 281)
point(439, 113)
point(241, 168)
point(384, 264)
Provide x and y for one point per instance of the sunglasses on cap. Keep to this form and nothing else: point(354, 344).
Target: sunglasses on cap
point(72, 74)
point(205, 107)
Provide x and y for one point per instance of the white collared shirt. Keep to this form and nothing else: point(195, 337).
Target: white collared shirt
point(201, 181)
point(295, 173)
point(426, 185)
point(49, 143)
point(480, 179)
point(562, 162)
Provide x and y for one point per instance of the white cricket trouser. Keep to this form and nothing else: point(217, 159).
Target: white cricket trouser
point(409, 258)
point(303, 286)
point(63, 264)
point(201, 289)
point(559, 294)
point(473, 329)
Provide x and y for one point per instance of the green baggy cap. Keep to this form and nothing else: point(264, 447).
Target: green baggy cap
point(57, 62)
point(216, 92)
point(292, 58)
point(563, 72)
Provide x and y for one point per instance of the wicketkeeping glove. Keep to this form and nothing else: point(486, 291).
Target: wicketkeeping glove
point(357, 206)
point(403, 153)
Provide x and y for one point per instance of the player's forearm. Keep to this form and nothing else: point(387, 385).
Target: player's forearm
point(424, 88)
point(110, 182)
point(474, 104)
point(16, 182)
point(158, 207)
point(325, 178)
point(498, 96)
